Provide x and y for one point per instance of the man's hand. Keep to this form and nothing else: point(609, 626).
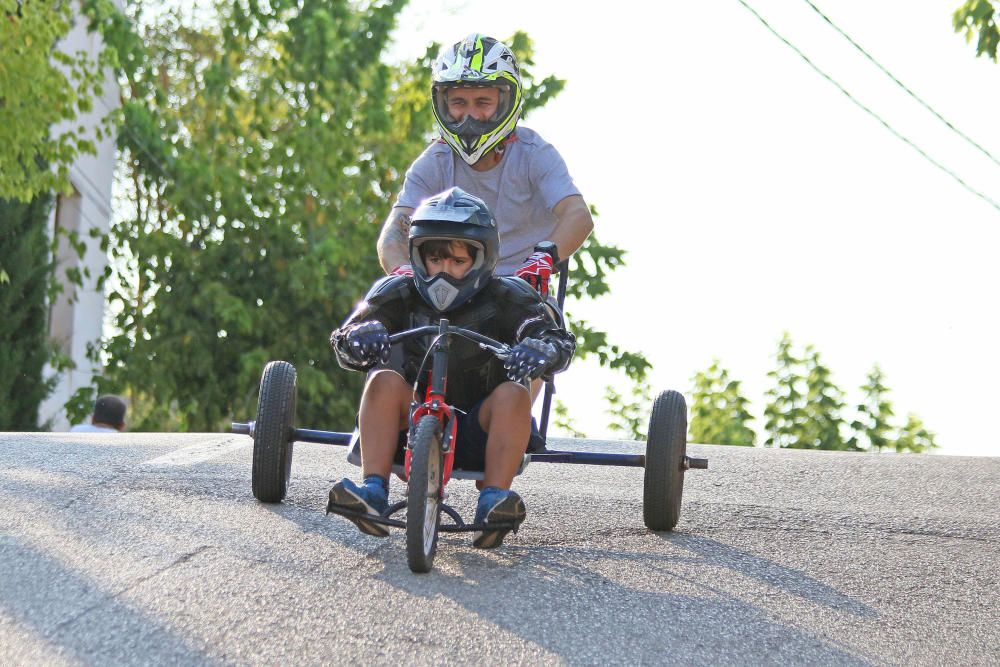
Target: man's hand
point(537, 269)
point(530, 358)
point(367, 343)
point(402, 270)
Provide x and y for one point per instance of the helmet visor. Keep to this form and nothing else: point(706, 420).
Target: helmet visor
point(456, 104)
point(417, 259)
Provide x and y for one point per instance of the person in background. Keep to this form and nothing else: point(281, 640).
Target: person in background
point(108, 417)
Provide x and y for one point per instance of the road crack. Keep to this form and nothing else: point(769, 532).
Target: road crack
point(180, 560)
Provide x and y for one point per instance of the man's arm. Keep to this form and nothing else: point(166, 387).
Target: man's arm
point(393, 243)
point(573, 226)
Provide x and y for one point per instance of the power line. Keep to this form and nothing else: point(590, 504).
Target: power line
point(902, 85)
point(867, 110)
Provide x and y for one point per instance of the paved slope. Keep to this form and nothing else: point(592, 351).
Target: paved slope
point(145, 548)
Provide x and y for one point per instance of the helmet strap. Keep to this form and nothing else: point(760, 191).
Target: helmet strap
point(501, 148)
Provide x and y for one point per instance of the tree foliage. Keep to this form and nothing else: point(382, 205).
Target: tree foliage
point(719, 413)
point(629, 413)
point(804, 406)
point(784, 412)
point(262, 150)
point(41, 86)
point(976, 20)
point(824, 404)
point(872, 427)
point(806, 409)
point(914, 437)
point(24, 347)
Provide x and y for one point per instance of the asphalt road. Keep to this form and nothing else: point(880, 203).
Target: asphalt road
point(150, 549)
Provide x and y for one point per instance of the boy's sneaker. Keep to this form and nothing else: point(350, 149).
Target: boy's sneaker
point(372, 498)
point(500, 506)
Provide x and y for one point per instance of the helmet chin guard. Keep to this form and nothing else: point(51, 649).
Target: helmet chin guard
point(442, 292)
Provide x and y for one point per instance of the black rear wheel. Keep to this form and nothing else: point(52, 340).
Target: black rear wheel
point(423, 495)
point(272, 439)
point(666, 448)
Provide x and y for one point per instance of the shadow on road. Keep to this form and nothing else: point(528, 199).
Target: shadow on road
point(73, 617)
point(575, 602)
point(787, 579)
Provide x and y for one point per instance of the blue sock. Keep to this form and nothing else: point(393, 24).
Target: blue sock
point(377, 480)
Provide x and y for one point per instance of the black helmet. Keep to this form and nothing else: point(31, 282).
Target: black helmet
point(454, 215)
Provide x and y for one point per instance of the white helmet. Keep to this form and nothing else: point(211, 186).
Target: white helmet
point(482, 61)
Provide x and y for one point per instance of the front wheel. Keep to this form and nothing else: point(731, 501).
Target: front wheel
point(423, 496)
point(666, 448)
point(272, 438)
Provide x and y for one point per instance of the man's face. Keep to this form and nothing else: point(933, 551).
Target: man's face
point(455, 266)
point(480, 103)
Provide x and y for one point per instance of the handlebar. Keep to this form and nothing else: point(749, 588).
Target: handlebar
point(485, 342)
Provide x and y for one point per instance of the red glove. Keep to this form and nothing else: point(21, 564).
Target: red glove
point(537, 270)
point(402, 270)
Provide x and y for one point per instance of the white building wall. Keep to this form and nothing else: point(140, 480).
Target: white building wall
point(77, 324)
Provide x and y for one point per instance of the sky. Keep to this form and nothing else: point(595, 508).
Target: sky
point(753, 197)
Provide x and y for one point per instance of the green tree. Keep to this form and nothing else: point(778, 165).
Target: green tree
point(24, 347)
point(785, 411)
point(262, 150)
point(259, 149)
point(719, 413)
point(914, 436)
point(629, 413)
point(41, 86)
point(561, 418)
point(976, 19)
point(588, 270)
point(824, 403)
point(872, 427)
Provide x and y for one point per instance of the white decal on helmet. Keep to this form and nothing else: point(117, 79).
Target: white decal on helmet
point(499, 59)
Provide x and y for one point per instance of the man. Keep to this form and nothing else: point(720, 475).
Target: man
point(108, 417)
point(541, 215)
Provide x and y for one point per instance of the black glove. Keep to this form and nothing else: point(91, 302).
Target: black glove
point(366, 342)
point(530, 358)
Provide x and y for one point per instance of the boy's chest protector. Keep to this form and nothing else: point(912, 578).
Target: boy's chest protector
point(471, 370)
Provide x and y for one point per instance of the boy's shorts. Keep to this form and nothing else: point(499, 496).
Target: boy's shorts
point(470, 449)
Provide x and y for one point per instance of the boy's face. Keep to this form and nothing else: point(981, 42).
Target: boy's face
point(455, 266)
point(476, 101)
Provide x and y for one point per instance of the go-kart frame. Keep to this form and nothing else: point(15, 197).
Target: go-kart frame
point(665, 459)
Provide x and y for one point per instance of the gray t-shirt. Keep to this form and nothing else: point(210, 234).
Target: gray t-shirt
point(90, 428)
point(532, 177)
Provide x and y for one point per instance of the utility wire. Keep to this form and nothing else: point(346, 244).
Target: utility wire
point(901, 84)
point(867, 110)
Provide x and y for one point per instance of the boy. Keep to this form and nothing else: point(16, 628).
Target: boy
point(454, 247)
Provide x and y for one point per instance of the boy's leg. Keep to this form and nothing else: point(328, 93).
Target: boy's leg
point(536, 389)
point(385, 398)
point(385, 410)
point(505, 416)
